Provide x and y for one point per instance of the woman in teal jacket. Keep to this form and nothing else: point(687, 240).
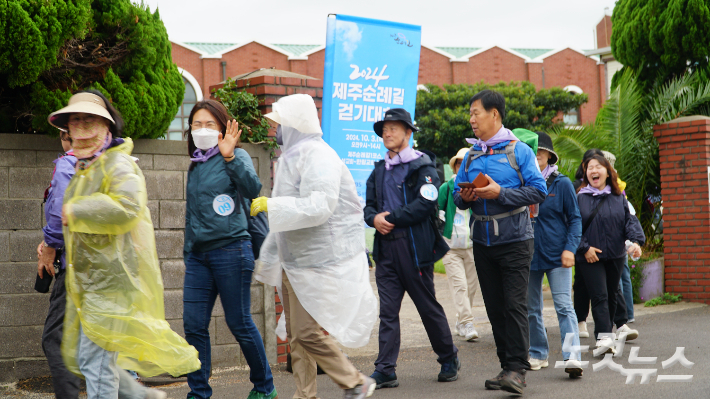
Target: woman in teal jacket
point(218, 251)
point(459, 264)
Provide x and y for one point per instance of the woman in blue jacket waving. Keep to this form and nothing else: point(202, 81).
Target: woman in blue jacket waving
point(218, 251)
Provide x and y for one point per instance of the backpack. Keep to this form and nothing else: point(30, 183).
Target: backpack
point(257, 226)
point(509, 151)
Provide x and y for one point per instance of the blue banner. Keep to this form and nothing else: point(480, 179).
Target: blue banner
point(370, 67)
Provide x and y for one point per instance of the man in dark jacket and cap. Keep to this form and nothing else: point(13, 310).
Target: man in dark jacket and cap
point(401, 204)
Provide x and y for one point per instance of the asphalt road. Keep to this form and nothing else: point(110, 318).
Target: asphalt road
point(660, 334)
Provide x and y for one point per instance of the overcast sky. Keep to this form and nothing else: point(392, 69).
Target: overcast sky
point(466, 23)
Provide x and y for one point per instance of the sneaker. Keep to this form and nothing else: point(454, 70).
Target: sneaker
point(494, 383)
point(361, 391)
point(631, 320)
point(607, 343)
point(384, 380)
point(450, 370)
point(513, 382)
point(583, 333)
point(460, 330)
point(537, 364)
point(573, 368)
point(261, 395)
point(470, 332)
point(631, 334)
point(155, 394)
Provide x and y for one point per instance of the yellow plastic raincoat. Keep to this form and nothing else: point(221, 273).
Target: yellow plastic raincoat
point(113, 280)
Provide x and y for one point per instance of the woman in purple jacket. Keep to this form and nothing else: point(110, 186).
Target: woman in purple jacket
point(66, 384)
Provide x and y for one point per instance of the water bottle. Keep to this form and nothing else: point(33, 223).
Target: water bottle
point(629, 245)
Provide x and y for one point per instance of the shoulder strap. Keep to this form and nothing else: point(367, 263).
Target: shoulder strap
point(510, 153)
point(551, 179)
point(594, 213)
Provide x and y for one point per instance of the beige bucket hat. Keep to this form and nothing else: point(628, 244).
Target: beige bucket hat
point(274, 116)
point(87, 103)
point(459, 155)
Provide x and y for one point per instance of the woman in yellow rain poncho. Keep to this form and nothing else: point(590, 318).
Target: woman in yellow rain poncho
point(114, 315)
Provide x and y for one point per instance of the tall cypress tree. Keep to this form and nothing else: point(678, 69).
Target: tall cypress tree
point(49, 50)
point(662, 38)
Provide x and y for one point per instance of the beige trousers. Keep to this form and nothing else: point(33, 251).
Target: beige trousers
point(463, 281)
point(309, 345)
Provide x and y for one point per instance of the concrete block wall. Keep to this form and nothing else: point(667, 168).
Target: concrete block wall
point(25, 172)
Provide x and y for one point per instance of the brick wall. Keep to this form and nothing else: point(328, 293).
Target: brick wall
point(561, 69)
point(569, 67)
point(25, 172)
point(684, 149)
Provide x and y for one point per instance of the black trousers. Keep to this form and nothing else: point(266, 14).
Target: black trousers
point(503, 273)
point(66, 384)
point(396, 274)
point(581, 303)
point(599, 282)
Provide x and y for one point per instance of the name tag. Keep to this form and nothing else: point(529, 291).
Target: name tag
point(223, 205)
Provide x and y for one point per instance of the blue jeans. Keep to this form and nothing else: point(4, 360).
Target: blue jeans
point(104, 379)
point(225, 271)
point(560, 280)
point(626, 289)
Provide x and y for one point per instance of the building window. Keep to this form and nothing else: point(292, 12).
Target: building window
point(193, 94)
point(572, 117)
point(179, 124)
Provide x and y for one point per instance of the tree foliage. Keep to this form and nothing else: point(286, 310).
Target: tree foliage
point(244, 108)
point(662, 38)
point(49, 50)
point(442, 114)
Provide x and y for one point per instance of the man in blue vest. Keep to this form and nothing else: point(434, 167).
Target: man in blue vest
point(401, 204)
point(501, 231)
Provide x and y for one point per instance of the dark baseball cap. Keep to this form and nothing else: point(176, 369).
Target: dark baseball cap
point(395, 114)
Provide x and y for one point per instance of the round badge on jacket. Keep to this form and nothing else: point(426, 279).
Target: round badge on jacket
point(223, 205)
point(429, 192)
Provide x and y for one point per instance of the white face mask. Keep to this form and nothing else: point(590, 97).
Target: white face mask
point(205, 138)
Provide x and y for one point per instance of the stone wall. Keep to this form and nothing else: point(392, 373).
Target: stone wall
point(25, 171)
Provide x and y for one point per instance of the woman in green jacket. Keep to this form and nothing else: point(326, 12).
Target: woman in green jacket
point(218, 250)
point(459, 264)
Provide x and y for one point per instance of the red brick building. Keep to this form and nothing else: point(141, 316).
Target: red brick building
point(207, 64)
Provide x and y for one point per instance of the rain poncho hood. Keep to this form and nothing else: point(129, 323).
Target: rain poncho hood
point(113, 281)
point(316, 227)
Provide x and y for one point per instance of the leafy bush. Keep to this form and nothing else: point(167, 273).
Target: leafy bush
point(442, 114)
point(51, 49)
point(665, 299)
point(244, 107)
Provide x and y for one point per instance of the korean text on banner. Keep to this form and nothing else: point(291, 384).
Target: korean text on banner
point(370, 67)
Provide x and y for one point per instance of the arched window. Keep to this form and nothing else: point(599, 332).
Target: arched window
point(193, 94)
point(572, 117)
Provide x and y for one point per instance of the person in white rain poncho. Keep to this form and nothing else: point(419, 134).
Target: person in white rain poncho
point(316, 247)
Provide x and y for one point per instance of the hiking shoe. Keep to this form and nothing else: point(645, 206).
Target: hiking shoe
point(155, 394)
point(513, 382)
point(583, 333)
point(537, 364)
point(494, 383)
point(631, 320)
point(459, 330)
point(384, 380)
point(361, 391)
point(261, 395)
point(631, 334)
point(573, 368)
point(450, 370)
point(604, 346)
point(469, 332)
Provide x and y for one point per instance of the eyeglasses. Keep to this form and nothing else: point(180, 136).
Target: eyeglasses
point(206, 125)
point(75, 120)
